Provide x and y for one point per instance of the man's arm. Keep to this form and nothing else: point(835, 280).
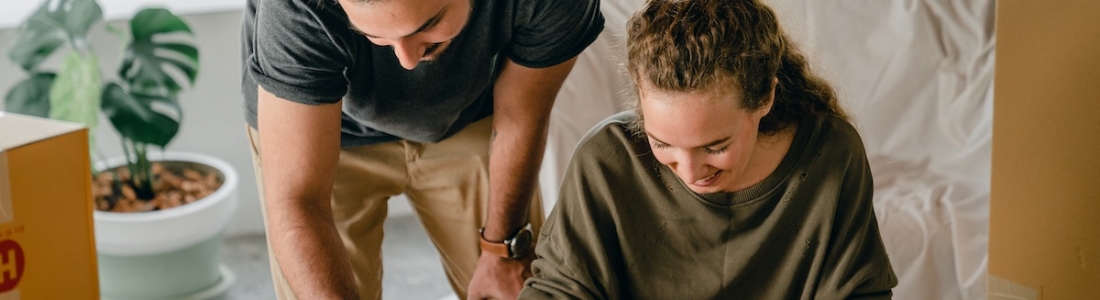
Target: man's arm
point(299, 149)
point(522, 100)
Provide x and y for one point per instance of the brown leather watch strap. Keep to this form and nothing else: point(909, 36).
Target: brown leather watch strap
point(496, 248)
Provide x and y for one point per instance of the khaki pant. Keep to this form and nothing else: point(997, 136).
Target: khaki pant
point(447, 184)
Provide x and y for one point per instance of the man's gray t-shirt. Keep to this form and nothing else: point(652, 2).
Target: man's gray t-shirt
point(304, 51)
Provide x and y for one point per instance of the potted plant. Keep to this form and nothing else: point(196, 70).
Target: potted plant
point(158, 221)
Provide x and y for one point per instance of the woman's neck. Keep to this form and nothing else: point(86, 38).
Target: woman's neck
point(767, 155)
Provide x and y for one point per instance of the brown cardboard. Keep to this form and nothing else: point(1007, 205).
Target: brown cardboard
point(47, 250)
point(1045, 189)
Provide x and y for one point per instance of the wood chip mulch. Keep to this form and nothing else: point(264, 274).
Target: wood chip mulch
point(174, 184)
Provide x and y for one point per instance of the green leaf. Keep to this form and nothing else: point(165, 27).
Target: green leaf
point(146, 62)
point(52, 25)
point(190, 62)
point(31, 96)
point(79, 15)
point(74, 95)
point(142, 118)
point(152, 21)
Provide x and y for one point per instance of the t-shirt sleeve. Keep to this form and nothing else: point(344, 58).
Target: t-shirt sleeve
point(857, 266)
point(550, 32)
point(299, 53)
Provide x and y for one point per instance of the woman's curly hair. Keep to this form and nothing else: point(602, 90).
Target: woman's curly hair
point(690, 45)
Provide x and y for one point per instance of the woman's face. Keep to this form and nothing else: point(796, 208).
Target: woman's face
point(418, 30)
point(705, 137)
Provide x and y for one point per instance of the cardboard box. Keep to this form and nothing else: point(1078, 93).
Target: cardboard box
point(47, 249)
point(1044, 228)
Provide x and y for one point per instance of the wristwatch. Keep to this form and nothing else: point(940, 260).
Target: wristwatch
point(518, 246)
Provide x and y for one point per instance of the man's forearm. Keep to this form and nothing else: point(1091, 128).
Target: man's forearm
point(513, 170)
point(310, 252)
point(300, 149)
point(515, 157)
point(523, 98)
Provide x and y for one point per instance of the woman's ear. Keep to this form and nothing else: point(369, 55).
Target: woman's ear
point(767, 107)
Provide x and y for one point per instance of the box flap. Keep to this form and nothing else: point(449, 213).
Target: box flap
point(18, 130)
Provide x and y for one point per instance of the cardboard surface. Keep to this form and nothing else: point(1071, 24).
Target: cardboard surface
point(46, 237)
point(17, 130)
point(1045, 188)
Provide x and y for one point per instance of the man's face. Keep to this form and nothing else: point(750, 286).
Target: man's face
point(418, 30)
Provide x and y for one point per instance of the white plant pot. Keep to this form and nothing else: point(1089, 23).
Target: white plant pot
point(150, 246)
point(163, 231)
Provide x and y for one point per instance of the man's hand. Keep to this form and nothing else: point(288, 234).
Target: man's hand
point(498, 278)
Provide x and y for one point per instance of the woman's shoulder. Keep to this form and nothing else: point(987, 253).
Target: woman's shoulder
point(611, 138)
point(612, 154)
point(834, 132)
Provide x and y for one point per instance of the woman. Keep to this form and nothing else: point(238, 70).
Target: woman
point(736, 175)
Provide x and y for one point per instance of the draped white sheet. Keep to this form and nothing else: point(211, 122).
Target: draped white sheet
point(916, 75)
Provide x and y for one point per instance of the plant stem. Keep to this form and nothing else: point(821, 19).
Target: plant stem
point(140, 168)
point(127, 145)
point(144, 178)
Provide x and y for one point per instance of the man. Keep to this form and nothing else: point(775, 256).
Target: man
point(350, 102)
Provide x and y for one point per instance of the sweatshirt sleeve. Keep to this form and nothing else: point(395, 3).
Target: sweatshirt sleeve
point(857, 266)
point(560, 274)
point(578, 250)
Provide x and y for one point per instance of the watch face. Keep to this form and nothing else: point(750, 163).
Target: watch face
point(521, 244)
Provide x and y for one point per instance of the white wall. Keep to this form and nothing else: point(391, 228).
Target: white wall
point(15, 11)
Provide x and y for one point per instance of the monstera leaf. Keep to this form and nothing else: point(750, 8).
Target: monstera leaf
point(146, 62)
point(52, 25)
point(74, 95)
point(31, 96)
point(145, 119)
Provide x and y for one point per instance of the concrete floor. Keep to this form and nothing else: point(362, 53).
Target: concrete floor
point(412, 267)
